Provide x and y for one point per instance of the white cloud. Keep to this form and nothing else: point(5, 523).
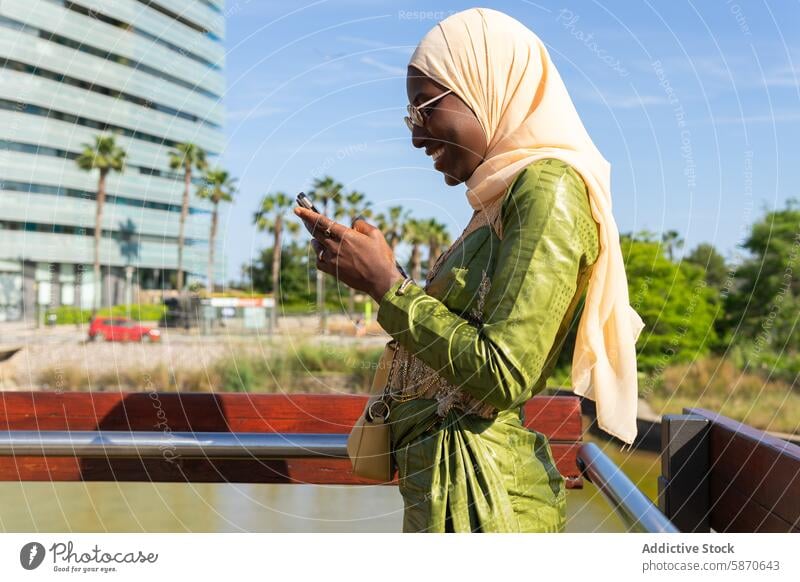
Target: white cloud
point(786, 76)
point(626, 101)
point(741, 71)
point(392, 70)
point(406, 50)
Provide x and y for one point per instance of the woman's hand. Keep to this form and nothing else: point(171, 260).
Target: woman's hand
point(359, 257)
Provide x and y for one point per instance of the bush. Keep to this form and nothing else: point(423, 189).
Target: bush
point(720, 385)
point(72, 315)
point(306, 368)
point(766, 361)
point(235, 375)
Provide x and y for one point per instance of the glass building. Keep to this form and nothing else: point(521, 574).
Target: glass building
point(150, 72)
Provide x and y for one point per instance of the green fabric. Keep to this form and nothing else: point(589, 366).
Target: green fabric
point(465, 473)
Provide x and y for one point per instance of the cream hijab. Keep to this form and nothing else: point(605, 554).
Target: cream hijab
point(503, 72)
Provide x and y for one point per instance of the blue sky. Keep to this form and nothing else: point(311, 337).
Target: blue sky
point(695, 104)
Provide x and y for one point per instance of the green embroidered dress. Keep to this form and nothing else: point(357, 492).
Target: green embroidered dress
point(478, 342)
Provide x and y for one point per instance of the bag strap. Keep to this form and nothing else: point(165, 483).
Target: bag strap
point(379, 408)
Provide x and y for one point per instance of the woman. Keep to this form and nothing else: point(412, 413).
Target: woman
point(483, 334)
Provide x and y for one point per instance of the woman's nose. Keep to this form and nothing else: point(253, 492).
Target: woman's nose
point(418, 136)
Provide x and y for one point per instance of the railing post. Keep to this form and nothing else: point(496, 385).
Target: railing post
point(683, 487)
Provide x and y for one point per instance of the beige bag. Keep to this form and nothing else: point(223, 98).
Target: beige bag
point(369, 444)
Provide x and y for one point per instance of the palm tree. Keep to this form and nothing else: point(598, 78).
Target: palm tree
point(643, 236)
point(438, 238)
point(672, 240)
point(185, 156)
point(270, 217)
point(356, 205)
point(415, 233)
point(325, 191)
point(218, 187)
point(103, 155)
point(391, 225)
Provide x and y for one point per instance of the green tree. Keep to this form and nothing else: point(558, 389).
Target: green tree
point(713, 264)
point(104, 155)
point(677, 305)
point(218, 187)
point(774, 247)
point(761, 308)
point(785, 337)
point(296, 273)
point(675, 302)
point(326, 192)
point(438, 239)
point(416, 233)
point(672, 241)
point(392, 225)
point(355, 204)
point(186, 157)
point(270, 217)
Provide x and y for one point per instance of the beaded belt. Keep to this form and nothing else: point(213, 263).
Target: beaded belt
point(413, 378)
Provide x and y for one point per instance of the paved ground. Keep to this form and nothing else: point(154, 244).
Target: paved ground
point(12, 334)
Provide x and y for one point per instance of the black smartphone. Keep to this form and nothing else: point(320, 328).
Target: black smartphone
point(305, 202)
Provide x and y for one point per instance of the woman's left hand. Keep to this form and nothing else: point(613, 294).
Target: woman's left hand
point(359, 257)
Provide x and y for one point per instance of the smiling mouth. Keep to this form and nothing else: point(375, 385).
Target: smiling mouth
point(437, 153)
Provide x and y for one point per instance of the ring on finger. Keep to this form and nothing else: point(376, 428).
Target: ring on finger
point(320, 255)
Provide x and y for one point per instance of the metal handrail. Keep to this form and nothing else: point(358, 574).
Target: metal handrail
point(190, 445)
point(635, 509)
point(630, 503)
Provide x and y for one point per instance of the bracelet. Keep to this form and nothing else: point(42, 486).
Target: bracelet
point(401, 290)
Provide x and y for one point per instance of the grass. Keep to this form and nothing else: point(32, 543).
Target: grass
point(309, 368)
point(711, 382)
point(720, 385)
point(717, 384)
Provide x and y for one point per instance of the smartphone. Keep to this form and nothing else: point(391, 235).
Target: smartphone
point(305, 202)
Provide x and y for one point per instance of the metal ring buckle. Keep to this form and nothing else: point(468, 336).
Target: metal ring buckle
point(372, 411)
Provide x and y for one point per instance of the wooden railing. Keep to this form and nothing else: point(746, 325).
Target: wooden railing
point(112, 415)
point(724, 475)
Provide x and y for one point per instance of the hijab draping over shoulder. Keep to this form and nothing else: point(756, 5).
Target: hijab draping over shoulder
point(503, 72)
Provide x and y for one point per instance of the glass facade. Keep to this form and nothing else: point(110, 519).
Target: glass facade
point(148, 72)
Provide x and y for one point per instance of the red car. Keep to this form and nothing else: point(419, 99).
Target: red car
point(121, 329)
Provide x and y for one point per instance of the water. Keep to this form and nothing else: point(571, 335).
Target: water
point(201, 507)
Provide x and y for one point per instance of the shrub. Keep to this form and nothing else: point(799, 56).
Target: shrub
point(235, 375)
point(67, 314)
point(718, 384)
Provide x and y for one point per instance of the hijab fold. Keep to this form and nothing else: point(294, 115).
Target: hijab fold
point(503, 72)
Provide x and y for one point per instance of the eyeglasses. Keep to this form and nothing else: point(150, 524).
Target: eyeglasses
point(416, 116)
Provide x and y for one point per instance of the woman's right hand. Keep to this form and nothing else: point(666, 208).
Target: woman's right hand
point(359, 257)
